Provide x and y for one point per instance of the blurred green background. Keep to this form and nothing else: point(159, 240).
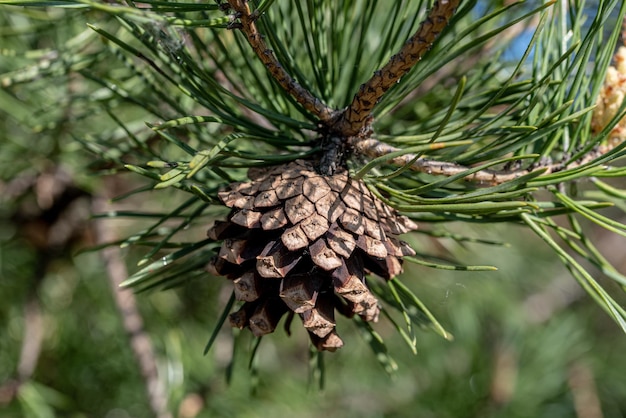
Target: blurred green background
point(528, 342)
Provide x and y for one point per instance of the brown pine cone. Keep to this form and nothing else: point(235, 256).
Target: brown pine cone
point(299, 241)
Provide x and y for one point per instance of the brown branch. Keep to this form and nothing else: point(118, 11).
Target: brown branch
point(30, 351)
point(374, 148)
point(132, 321)
point(585, 395)
point(357, 115)
point(33, 337)
point(303, 96)
point(450, 72)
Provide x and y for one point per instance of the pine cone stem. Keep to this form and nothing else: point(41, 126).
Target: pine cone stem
point(357, 115)
point(248, 26)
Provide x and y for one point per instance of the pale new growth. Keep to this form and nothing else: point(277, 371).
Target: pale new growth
point(611, 98)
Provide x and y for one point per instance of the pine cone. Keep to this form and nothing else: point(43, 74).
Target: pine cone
point(300, 242)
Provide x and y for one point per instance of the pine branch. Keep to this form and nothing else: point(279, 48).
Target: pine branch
point(30, 350)
point(500, 120)
point(126, 303)
point(303, 96)
point(356, 116)
point(374, 149)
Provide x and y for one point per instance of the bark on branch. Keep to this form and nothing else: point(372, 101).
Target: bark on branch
point(374, 148)
point(357, 115)
point(248, 26)
point(126, 303)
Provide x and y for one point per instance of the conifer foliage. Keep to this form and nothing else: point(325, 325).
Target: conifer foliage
point(330, 128)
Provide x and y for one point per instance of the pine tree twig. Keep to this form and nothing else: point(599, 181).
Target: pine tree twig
point(357, 115)
point(246, 23)
point(449, 72)
point(132, 321)
point(33, 338)
point(585, 395)
point(30, 351)
point(374, 148)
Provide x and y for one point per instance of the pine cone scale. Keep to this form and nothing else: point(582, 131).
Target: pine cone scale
point(294, 238)
point(266, 199)
point(352, 221)
point(298, 208)
point(246, 288)
point(299, 292)
point(266, 316)
point(276, 261)
point(340, 241)
point(273, 219)
point(247, 218)
point(323, 256)
point(315, 188)
point(289, 189)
